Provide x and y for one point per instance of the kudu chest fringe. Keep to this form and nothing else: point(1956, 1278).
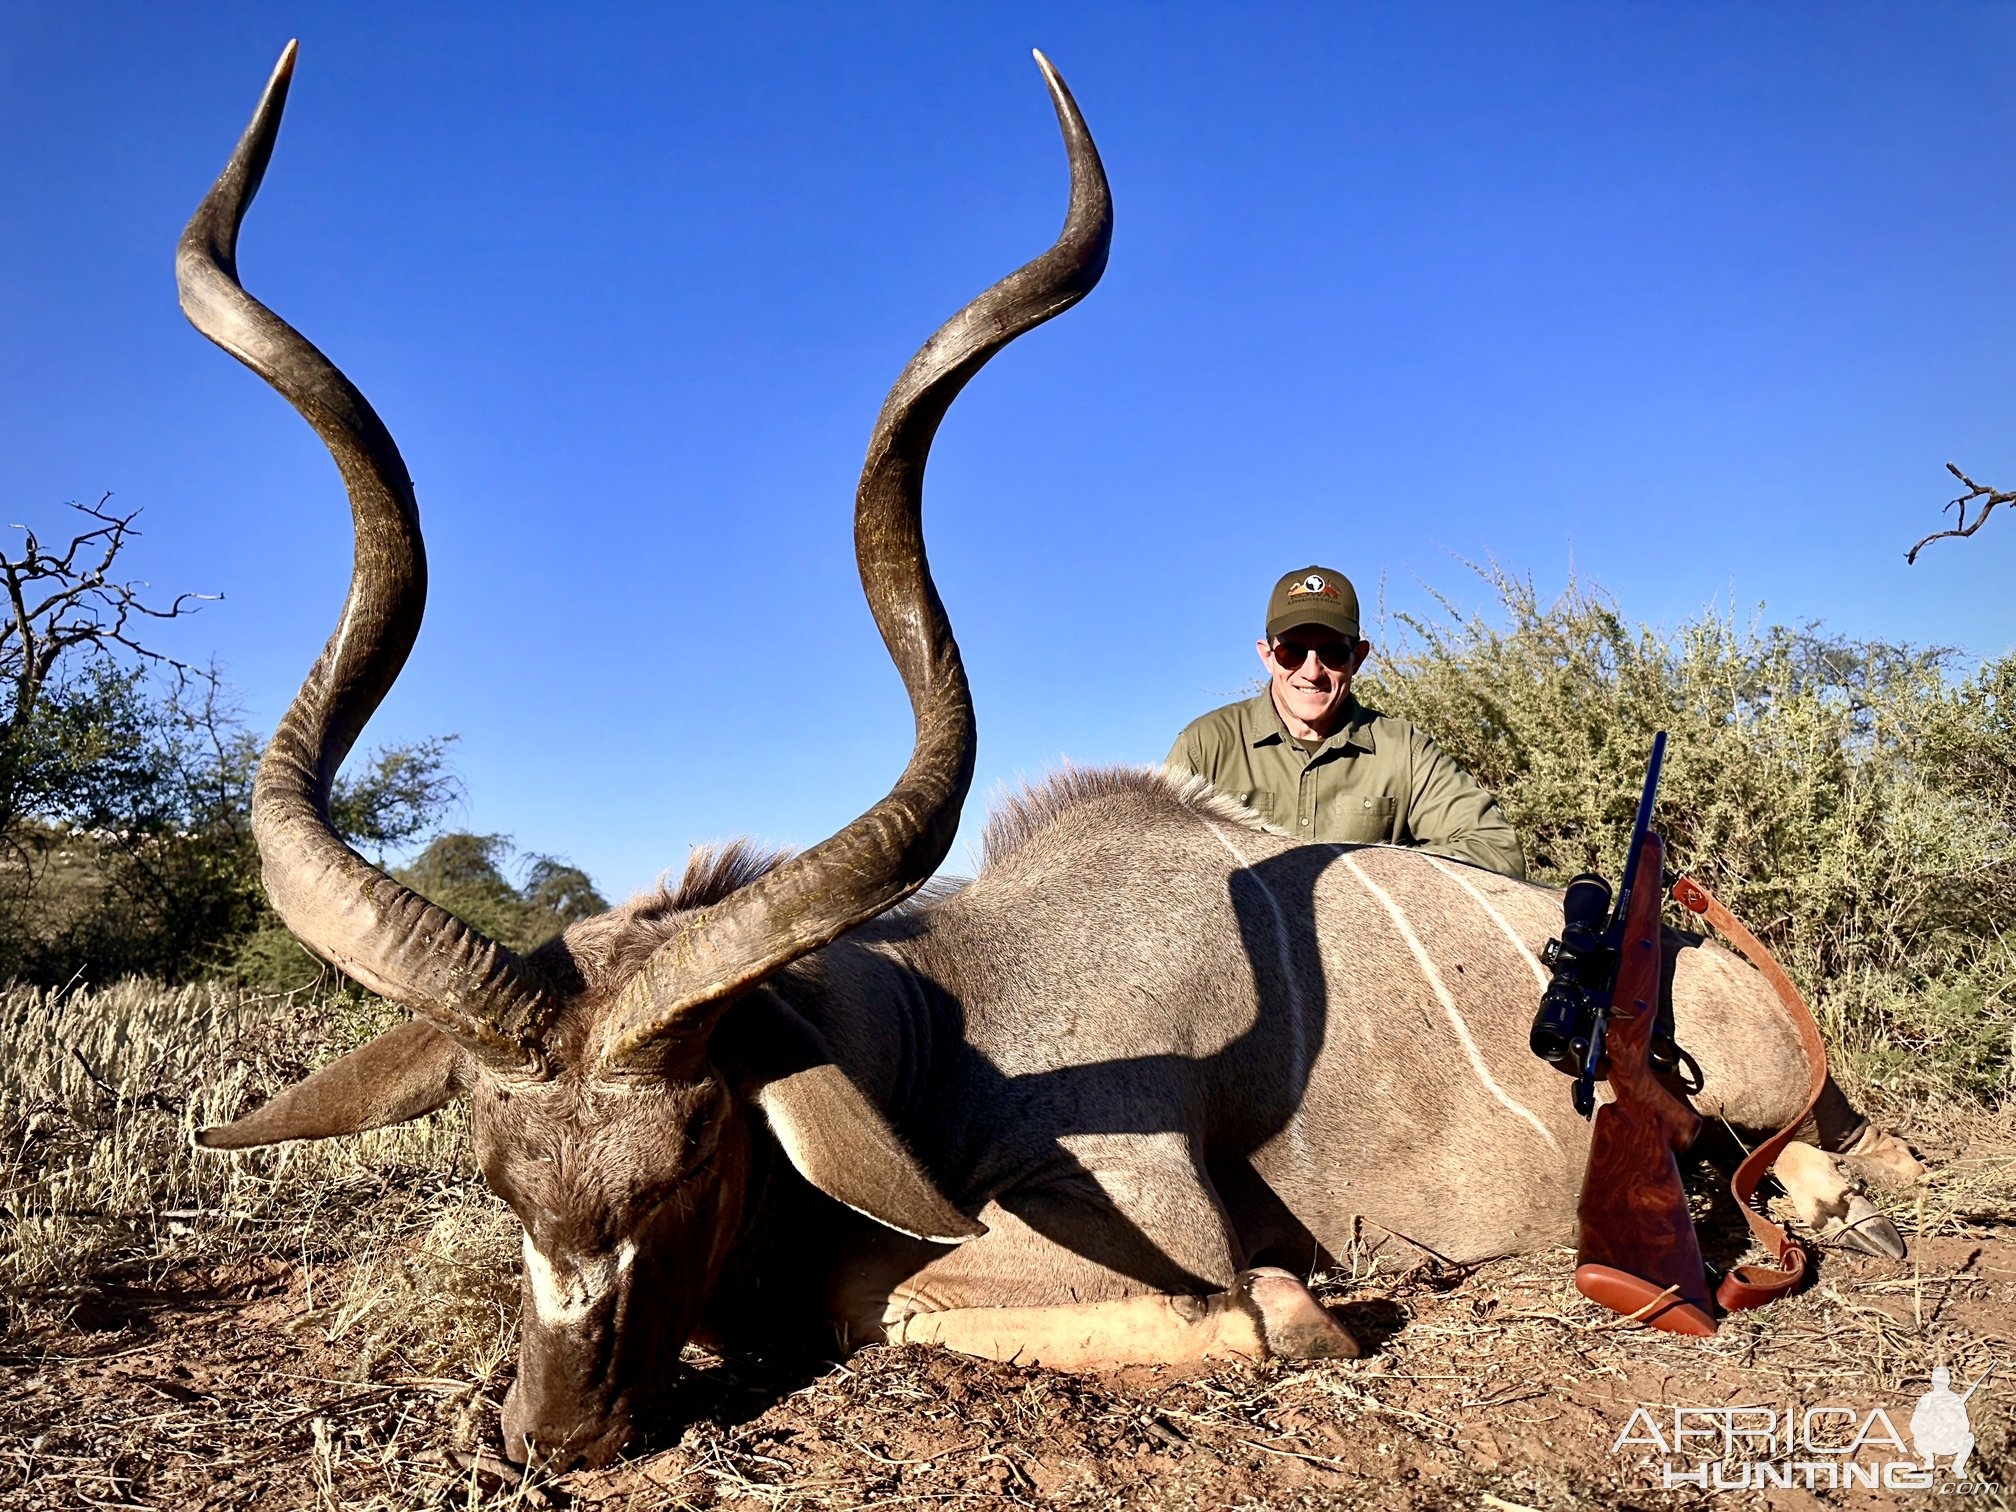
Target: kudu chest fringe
point(1754, 1285)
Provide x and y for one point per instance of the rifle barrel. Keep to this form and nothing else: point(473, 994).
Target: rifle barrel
point(1639, 826)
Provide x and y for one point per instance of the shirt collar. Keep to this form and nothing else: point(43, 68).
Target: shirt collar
point(1261, 725)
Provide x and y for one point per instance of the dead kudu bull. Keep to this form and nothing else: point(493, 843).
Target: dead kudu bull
point(1079, 1111)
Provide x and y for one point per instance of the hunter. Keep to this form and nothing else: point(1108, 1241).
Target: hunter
point(1317, 764)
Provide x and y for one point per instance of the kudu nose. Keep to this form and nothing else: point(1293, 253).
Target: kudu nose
point(558, 1444)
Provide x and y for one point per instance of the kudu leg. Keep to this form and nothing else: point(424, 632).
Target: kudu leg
point(1266, 1312)
point(1847, 1151)
point(1127, 1260)
point(1756, 1079)
point(1872, 1153)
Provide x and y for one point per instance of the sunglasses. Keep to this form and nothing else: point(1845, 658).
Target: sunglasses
point(1291, 656)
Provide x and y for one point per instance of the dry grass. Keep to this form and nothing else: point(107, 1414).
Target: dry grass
point(331, 1326)
point(102, 1191)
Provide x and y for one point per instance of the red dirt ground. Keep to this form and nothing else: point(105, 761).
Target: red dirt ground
point(1494, 1387)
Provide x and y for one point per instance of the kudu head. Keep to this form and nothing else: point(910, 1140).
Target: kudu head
point(620, 1076)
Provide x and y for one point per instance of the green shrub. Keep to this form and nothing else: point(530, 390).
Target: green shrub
point(1855, 803)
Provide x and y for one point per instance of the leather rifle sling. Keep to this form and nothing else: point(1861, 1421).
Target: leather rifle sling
point(1754, 1285)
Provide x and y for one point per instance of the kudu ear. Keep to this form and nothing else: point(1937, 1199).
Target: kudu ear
point(828, 1128)
point(403, 1073)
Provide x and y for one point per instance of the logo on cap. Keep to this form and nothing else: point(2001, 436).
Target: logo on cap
point(1315, 584)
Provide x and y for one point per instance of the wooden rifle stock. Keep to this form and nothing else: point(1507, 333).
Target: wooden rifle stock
point(1636, 1252)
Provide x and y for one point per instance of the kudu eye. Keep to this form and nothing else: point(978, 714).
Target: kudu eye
point(702, 1135)
point(702, 1140)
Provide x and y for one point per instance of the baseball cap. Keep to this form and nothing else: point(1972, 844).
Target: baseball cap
point(1313, 596)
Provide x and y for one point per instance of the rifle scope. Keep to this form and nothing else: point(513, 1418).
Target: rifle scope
point(1582, 967)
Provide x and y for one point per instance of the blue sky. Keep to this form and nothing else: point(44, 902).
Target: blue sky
point(1698, 298)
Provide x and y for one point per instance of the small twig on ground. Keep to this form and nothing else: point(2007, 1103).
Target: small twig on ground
point(1321, 1460)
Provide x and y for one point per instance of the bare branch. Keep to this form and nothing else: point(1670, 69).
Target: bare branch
point(67, 600)
point(1989, 498)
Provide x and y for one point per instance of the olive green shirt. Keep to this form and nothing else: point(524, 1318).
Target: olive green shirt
point(1373, 781)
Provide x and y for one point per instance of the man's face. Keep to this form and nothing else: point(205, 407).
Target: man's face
point(1311, 667)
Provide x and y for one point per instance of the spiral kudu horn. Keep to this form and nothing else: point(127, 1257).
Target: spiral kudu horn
point(343, 908)
point(887, 853)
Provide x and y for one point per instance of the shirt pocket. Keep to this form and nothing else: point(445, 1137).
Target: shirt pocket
point(1363, 821)
point(1262, 803)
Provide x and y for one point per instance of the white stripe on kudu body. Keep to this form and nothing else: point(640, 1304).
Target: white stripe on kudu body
point(1455, 874)
point(1297, 1033)
point(1449, 1009)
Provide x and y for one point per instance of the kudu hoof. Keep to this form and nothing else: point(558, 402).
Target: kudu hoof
point(1866, 1230)
point(1295, 1325)
point(1880, 1156)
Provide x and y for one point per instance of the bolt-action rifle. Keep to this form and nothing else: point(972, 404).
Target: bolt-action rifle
point(1605, 1017)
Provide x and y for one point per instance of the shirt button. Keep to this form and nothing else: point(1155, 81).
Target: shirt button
point(1368, 803)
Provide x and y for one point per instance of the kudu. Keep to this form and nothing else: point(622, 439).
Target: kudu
point(1079, 1111)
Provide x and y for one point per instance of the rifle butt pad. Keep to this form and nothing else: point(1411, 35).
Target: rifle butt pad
point(1644, 1301)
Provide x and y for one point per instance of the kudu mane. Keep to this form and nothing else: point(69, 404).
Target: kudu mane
point(1020, 818)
